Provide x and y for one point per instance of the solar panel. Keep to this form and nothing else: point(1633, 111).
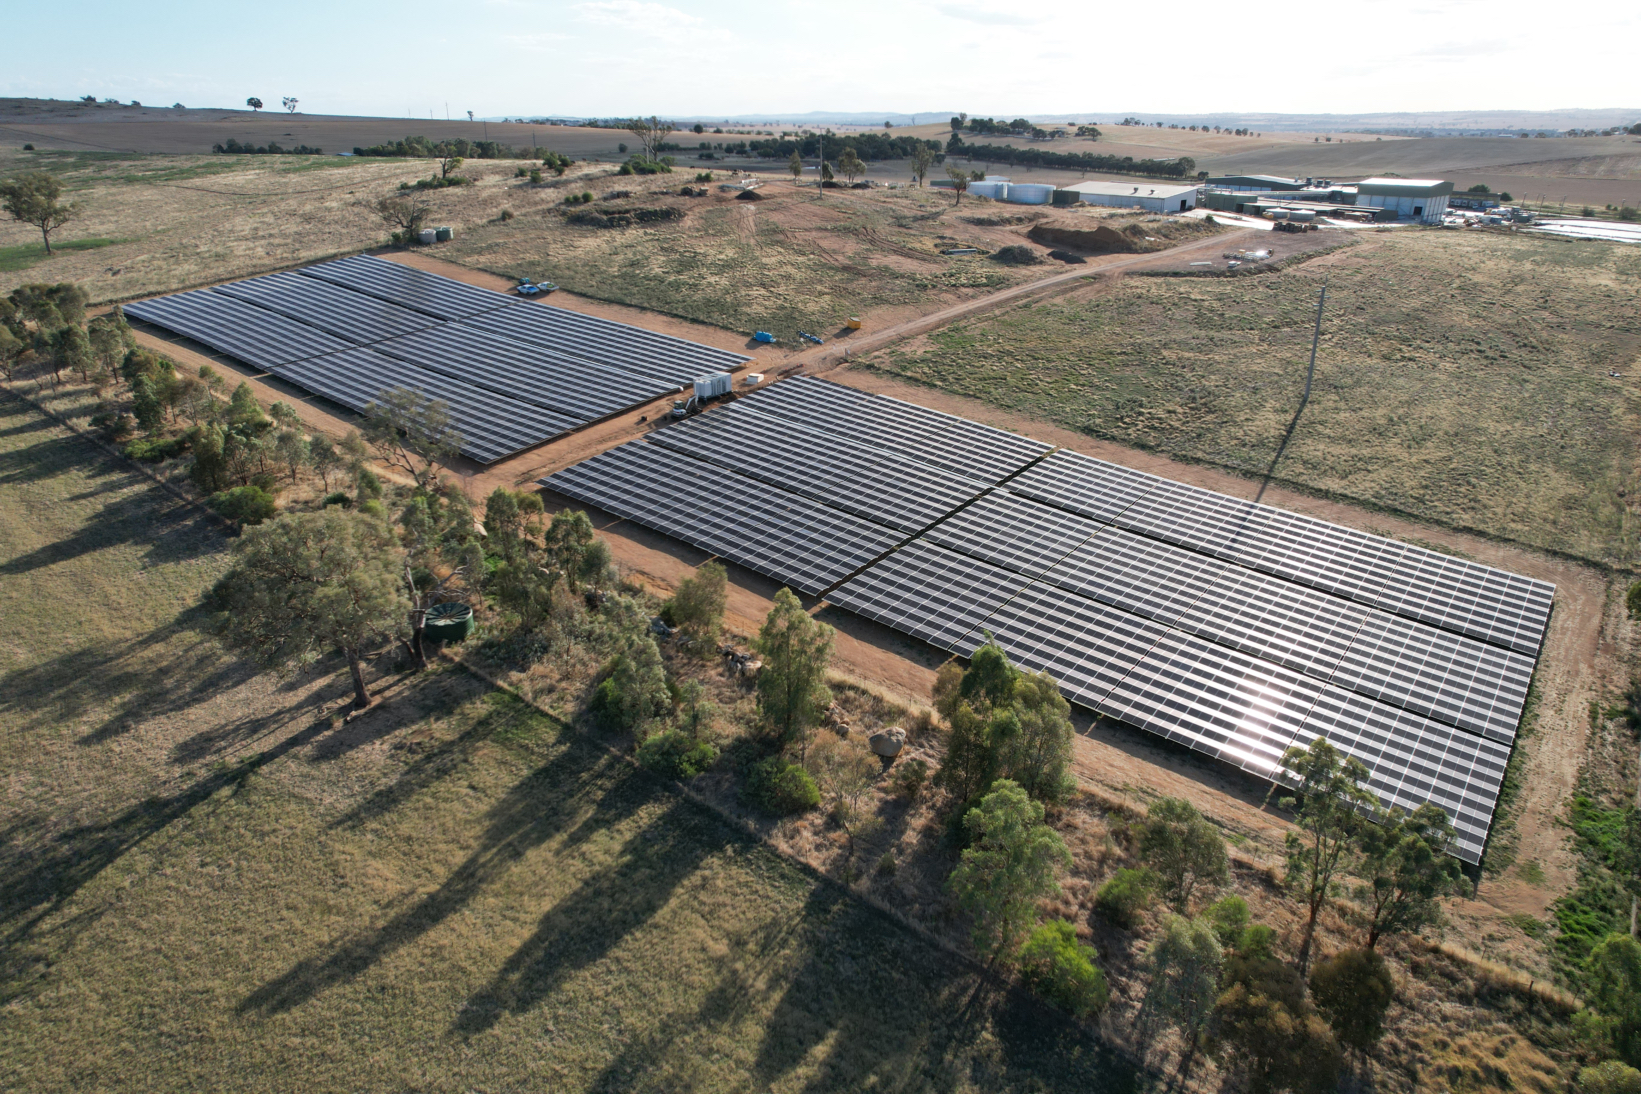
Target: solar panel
point(1444, 676)
point(1413, 760)
point(1303, 630)
point(802, 544)
point(1464, 597)
point(944, 440)
point(1138, 575)
point(1087, 647)
point(256, 336)
point(930, 593)
point(1084, 485)
point(868, 482)
point(674, 361)
point(491, 426)
point(347, 314)
point(1233, 706)
point(530, 374)
point(1013, 532)
point(418, 290)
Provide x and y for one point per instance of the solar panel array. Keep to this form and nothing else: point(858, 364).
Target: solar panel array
point(771, 531)
point(515, 373)
point(1235, 629)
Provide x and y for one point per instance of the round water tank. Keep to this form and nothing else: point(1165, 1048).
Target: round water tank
point(1301, 215)
point(427, 235)
point(1277, 214)
point(1030, 193)
point(989, 189)
point(442, 234)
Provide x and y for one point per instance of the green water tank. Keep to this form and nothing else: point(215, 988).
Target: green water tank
point(450, 622)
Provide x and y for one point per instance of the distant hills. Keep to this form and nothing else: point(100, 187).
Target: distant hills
point(1425, 122)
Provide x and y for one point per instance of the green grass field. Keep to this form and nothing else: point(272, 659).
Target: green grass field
point(1462, 378)
point(214, 883)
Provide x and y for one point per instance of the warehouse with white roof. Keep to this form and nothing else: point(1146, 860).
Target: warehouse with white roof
point(1153, 197)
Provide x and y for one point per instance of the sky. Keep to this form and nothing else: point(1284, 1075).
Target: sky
point(681, 58)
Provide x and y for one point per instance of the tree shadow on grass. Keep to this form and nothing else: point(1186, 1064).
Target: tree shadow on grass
point(171, 533)
point(130, 681)
point(583, 927)
point(43, 875)
point(895, 1012)
point(552, 801)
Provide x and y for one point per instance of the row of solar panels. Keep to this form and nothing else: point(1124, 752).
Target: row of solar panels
point(1468, 598)
point(514, 373)
point(1210, 648)
point(1184, 682)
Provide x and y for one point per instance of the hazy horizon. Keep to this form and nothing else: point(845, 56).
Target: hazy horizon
point(685, 58)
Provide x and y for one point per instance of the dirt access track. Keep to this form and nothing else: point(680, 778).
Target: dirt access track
point(1579, 663)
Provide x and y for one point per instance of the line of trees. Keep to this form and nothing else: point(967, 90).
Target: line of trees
point(426, 148)
point(1184, 167)
point(232, 147)
point(870, 147)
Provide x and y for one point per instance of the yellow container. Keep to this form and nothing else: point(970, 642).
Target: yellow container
point(854, 323)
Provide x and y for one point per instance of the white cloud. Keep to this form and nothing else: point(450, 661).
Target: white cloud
point(639, 16)
point(971, 13)
point(536, 43)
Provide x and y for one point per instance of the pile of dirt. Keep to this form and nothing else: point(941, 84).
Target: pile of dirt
point(1099, 240)
point(749, 195)
point(622, 218)
point(998, 220)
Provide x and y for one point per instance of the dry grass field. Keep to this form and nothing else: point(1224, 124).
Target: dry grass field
point(1463, 378)
point(212, 881)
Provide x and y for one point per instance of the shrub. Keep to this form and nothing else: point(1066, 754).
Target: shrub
point(373, 508)
point(1611, 1077)
point(910, 777)
point(886, 866)
point(337, 498)
point(704, 176)
point(781, 788)
point(1061, 969)
point(156, 449)
point(505, 215)
point(1124, 898)
point(535, 176)
point(244, 505)
point(1628, 212)
point(1229, 918)
point(676, 755)
point(1353, 990)
point(1017, 254)
point(638, 165)
point(118, 426)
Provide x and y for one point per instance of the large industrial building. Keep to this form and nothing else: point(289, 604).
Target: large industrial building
point(1424, 200)
point(1254, 182)
point(1153, 197)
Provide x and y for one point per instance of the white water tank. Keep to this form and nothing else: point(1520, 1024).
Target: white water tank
point(427, 235)
point(709, 387)
point(1030, 193)
point(997, 191)
point(1302, 215)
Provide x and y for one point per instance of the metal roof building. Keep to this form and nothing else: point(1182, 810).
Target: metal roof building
point(1424, 200)
point(1153, 197)
point(1254, 182)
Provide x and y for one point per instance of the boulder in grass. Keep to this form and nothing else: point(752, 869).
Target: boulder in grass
point(888, 742)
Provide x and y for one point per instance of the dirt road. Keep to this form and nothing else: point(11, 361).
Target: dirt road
point(840, 349)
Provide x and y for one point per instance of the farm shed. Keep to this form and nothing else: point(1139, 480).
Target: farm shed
point(1152, 197)
point(1255, 182)
point(1424, 200)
